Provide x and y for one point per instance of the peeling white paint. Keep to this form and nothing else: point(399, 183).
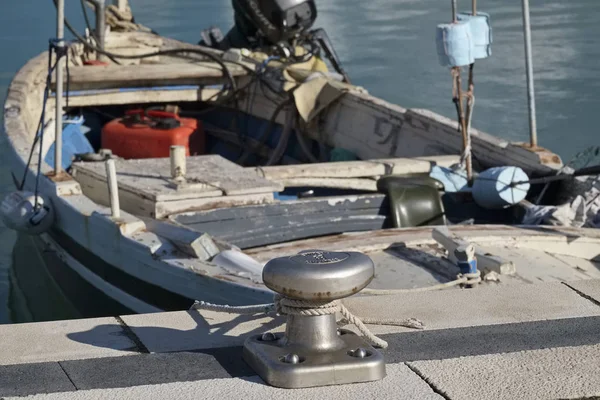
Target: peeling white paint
point(340, 200)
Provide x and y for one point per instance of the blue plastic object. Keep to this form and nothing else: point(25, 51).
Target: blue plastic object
point(74, 142)
point(493, 188)
point(481, 32)
point(284, 197)
point(455, 45)
point(468, 267)
point(453, 181)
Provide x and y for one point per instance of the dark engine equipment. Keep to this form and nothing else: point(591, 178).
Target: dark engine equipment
point(277, 24)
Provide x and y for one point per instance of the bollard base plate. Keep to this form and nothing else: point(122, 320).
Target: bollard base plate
point(317, 368)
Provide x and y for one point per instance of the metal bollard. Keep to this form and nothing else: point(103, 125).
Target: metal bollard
point(313, 351)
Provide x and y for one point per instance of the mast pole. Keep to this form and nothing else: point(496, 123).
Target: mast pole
point(529, 71)
point(60, 33)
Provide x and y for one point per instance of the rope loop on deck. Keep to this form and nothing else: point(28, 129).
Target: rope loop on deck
point(461, 279)
point(471, 278)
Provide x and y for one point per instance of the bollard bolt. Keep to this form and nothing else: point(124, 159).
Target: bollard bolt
point(268, 337)
point(291, 359)
point(359, 353)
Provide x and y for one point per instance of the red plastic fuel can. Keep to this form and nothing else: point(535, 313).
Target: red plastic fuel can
point(150, 134)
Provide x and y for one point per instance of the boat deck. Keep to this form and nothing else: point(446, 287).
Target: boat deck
point(212, 182)
point(146, 187)
point(525, 341)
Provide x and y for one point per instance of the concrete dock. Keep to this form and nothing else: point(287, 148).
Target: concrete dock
point(538, 341)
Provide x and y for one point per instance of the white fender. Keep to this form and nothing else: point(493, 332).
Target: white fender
point(18, 211)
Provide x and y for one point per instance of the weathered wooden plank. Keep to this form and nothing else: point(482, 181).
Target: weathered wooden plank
point(357, 169)
point(135, 202)
point(290, 220)
point(227, 176)
point(96, 190)
point(369, 185)
point(118, 97)
point(308, 206)
point(485, 260)
point(164, 209)
point(558, 240)
point(316, 227)
point(151, 178)
point(193, 243)
point(244, 226)
point(148, 75)
point(144, 186)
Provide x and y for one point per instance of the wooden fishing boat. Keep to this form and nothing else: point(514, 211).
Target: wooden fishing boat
point(255, 184)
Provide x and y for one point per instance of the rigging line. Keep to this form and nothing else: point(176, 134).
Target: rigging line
point(41, 126)
point(43, 117)
point(87, 21)
point(463, 122)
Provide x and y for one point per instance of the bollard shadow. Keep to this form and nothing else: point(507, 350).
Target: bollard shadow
point(216, 345)
point(400, 265)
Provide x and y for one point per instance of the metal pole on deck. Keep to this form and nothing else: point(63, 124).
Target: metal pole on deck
point(454, 11)
point(99, 6)
point(113, 188)
point(60, 33)
point(529, 68)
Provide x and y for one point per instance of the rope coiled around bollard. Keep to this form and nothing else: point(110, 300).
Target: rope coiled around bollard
point(286, 306)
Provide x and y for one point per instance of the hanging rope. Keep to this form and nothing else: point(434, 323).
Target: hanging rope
point(457, 98)
point(464, 119)
point(466, 158)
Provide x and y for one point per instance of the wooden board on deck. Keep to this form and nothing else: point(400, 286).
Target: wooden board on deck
point(132, 96)
point(290, 220)
point(145, 187)
point(148, 75)
point(357, 169)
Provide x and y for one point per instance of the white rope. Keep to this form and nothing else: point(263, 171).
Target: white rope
point(242, 310)
point(287, 306)
point(465, 156)
point(412, 323)
point(362, 328)
point(122, 20)
point(461, 279)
